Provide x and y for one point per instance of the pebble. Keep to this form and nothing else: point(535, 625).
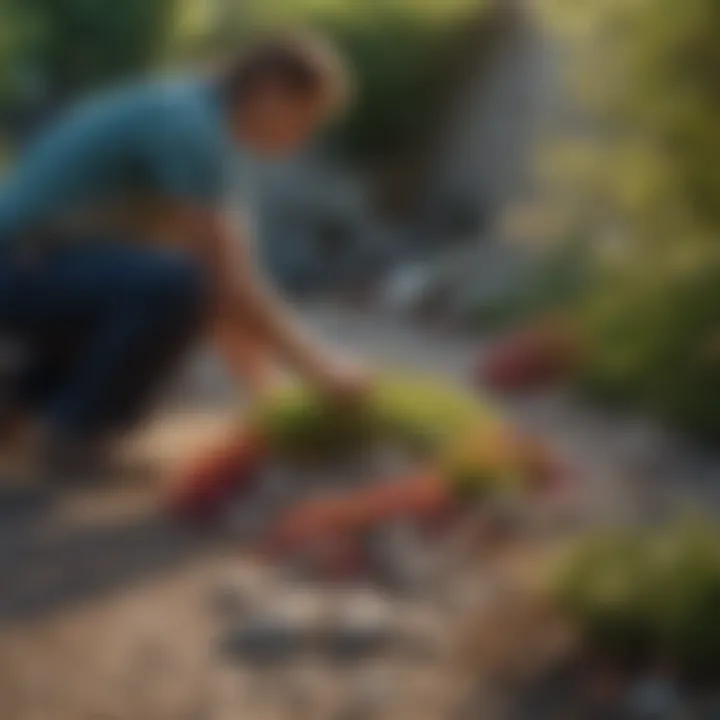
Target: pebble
point(362, 626)
point(277, 633)
point(263, 641)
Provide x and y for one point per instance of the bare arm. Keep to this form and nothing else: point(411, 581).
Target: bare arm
point(247, 357)
point(245, 298)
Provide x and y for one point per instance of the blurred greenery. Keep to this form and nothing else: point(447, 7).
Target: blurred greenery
point(648, 595)
point(58, 48)
point(641, 184)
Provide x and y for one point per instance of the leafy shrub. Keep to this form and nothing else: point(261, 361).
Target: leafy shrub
point(645, 596)
point(75, 45)
point(656, 341)
point(643, 187)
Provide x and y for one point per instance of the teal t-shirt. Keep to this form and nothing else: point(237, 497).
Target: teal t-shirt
point(152, 141)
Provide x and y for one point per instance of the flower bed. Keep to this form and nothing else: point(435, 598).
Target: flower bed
point(455, 453)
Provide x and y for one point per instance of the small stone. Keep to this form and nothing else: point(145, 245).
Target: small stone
point(361, 628)
point(263, 641)
point(277, 633)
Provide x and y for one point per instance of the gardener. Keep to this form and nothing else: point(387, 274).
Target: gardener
point(117, 249)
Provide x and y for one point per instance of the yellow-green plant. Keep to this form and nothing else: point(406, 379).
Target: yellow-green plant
point(649, 595)
point(415, 410)
point(465, 439)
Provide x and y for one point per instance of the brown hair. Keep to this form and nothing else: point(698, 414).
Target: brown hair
point(305, 64)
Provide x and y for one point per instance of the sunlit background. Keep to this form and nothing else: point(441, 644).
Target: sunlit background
point(524, 198)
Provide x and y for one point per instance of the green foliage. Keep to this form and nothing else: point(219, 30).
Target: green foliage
point(400, 52)
point(465, 440)
point(417, 412)
point(656, 339)
point(644, 187)
point(75, 45)
point(600, 589)
point(487, 462)
point(301, 424)
point(19, 36)
point(642, 596)
point(427, 412)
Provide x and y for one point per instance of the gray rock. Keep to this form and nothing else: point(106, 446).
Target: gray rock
point(361, 628)
point(264, 641)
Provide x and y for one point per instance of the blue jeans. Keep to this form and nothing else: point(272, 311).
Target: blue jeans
point(104, 325)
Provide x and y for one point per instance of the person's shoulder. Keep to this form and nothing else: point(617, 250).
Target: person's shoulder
point(113, 109)
point(180, 98)
point(178, 108)
point(166, 100)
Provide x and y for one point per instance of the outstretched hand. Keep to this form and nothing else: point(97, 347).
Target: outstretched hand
point(343, 380)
